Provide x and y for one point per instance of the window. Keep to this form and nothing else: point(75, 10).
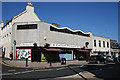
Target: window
point(99, 43)
point(30, 26)
point(68, 31)
point(94, 43)
point(108, 44)
point(103, 43)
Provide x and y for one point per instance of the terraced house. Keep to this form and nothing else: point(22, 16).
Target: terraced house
point(26, 36)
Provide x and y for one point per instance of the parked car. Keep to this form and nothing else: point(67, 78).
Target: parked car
point(118, 59)
point(97, 59)
point(109, 59)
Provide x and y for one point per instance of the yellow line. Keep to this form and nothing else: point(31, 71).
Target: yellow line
point(22, 67)
point(6, 64)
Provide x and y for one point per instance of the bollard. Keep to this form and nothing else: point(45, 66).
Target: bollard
point(26, 62)
point(50, 62)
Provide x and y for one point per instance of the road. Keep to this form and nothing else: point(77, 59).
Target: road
point(102, 71)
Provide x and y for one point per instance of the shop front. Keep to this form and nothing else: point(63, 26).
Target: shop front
point(115, 52)
point(103, 53)
point(30, 53)
point(82, 54)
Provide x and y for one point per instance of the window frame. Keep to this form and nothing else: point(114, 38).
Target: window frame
point(99, 43)
point(95, 43)
point(103, 43)
point(27, 27)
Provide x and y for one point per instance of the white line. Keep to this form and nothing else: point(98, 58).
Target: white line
point(82, 66)
point(17, 73)
point(10, 70)
point(27, 71)
point(61, 68)
point(72, 75)
point(44, 70)
point(7, 74)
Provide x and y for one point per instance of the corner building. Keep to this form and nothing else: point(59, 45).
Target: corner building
point(26, 36)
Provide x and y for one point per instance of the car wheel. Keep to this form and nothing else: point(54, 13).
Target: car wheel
point(98, 62)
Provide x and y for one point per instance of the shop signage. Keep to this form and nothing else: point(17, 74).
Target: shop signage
point(115, 50)
point(26, 44)
point(64, 45)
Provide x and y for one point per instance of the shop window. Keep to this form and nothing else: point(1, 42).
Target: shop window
point(30, 26)
point(103, 43)
point(94, 43)
point(99, 43)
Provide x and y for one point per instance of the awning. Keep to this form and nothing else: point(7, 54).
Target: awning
point(52, 49)
point(83, 50)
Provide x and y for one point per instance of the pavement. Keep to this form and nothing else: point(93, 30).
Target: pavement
point(42, 65)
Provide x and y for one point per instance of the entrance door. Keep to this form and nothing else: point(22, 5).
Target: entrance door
point(36, 55)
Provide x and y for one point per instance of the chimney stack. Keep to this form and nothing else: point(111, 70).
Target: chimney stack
point(7, 21)
point(30, 7)
point(1, 24)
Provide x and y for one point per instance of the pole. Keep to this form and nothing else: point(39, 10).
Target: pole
point(14, 51)
point(26, 62)
point(50, 62)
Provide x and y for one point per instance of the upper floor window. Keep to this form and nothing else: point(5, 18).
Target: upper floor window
point(68, 31)
point(103, 43)
point(108, 44)
point(94, 43)
point(29, 26)
point(99, 43)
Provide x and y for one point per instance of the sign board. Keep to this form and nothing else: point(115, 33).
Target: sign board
point(64, 45)
point(22, 54)
point(26, 44)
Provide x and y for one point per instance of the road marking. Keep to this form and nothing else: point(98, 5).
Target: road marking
point(27, 71)
point(44, 70)
point(17, 73)
point(5, 64)
point(11, 70)
point(61, 68)
point(82, 66)
point(7, 74)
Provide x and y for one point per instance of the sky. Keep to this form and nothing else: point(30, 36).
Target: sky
point(100, 18)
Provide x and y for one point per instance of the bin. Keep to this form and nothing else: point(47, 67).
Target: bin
point(63, 61)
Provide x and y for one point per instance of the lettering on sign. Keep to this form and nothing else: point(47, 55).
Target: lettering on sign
point(65, 45)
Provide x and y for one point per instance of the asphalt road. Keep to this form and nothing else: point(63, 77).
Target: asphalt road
point(102, 71)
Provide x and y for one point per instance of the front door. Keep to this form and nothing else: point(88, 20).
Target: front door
point(36, 55)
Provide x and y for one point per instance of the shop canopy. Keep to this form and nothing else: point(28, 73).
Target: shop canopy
point(83, 50)
point(52, 49)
